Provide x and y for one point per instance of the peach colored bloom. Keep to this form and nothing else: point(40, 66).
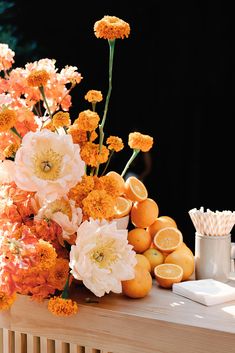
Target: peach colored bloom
point(140, 142)
point(111, 27)
point(7, 171)
point(6, 57)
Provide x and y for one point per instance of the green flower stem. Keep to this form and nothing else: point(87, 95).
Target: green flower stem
point(65, 293)
point(93, 106)
point(101, 126)
point(13, 129)
point(41, 89)
point(133, 156)
point(108, 161)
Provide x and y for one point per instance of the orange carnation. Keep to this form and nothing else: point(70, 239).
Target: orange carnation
point(115, 143)
point(111, 27)
point(140, 142)
point(62, 307)
point(38, 78)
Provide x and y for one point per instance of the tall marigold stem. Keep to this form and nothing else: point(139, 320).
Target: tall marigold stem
point(133, 156)
point(65, 293)
point(101, 126)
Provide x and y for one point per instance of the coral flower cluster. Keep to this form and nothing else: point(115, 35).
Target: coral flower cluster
point(58, 221)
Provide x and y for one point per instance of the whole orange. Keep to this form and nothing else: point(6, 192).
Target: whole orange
point(183, 259)
point(144, 213)
point(155, 257)
point(140, 286)
point(140, 239)
point(143, 261)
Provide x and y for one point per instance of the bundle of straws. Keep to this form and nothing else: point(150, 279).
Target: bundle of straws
point(218, 223)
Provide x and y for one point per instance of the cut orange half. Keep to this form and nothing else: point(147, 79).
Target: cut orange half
point(167, 274)
point(122, 207)
point(168, 239)
point(135, 190)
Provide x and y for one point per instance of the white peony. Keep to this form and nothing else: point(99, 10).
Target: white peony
point(63, 212)
point(102, 257)
point(48, 163)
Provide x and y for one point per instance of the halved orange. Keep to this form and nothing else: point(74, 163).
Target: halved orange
point(168, 239)
point(122, 207)
point(135, 190)
point(161, 222)
point(167, 274)
point(119, 179)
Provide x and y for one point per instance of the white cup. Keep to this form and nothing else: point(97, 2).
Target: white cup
point(213, 257)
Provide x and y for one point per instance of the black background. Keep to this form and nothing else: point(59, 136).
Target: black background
point(173, 79)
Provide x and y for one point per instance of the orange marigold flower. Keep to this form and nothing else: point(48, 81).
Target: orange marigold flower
point(111, 27)
point(7, 119)
point(10, 150)
point(62, 307)
point(140, 142)
point(6, 300)
point(82, 189)
point(110, 185)
point(59, 273)
point(38, 78)
point(87, 120)
point(115, 143)
point(94, 96)
point(45, 255)
point(99, 205)
point(79, 136)
point(61, 119)
point(91, 156)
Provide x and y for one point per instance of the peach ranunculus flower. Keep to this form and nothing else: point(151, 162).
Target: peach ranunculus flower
point(64, 213)
point(48, 163)
point(102, 257)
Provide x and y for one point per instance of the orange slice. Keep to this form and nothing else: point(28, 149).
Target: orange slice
point(168, 239)
point(135, 190)
point(167, 274)
point(122, 207)
point(161, 222)
point(119, 179)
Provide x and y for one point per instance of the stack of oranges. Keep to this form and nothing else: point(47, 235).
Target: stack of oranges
point(160, 250)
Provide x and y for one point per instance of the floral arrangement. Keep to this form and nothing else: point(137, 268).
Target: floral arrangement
point(59, 216)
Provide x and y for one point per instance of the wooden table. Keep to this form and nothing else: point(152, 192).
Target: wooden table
point(162, 322)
